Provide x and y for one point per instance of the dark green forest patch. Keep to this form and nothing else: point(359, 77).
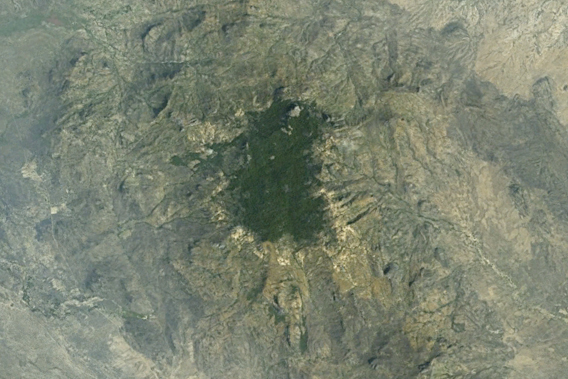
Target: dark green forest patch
point(276, 190)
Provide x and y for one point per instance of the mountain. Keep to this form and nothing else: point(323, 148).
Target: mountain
point(278, 189)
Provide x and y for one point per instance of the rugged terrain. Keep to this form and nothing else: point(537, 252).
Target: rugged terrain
point(282, 189)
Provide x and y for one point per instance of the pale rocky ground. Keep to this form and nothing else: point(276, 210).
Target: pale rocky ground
point(444, 174)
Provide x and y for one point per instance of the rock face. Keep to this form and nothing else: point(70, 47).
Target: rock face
point(282, 189)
